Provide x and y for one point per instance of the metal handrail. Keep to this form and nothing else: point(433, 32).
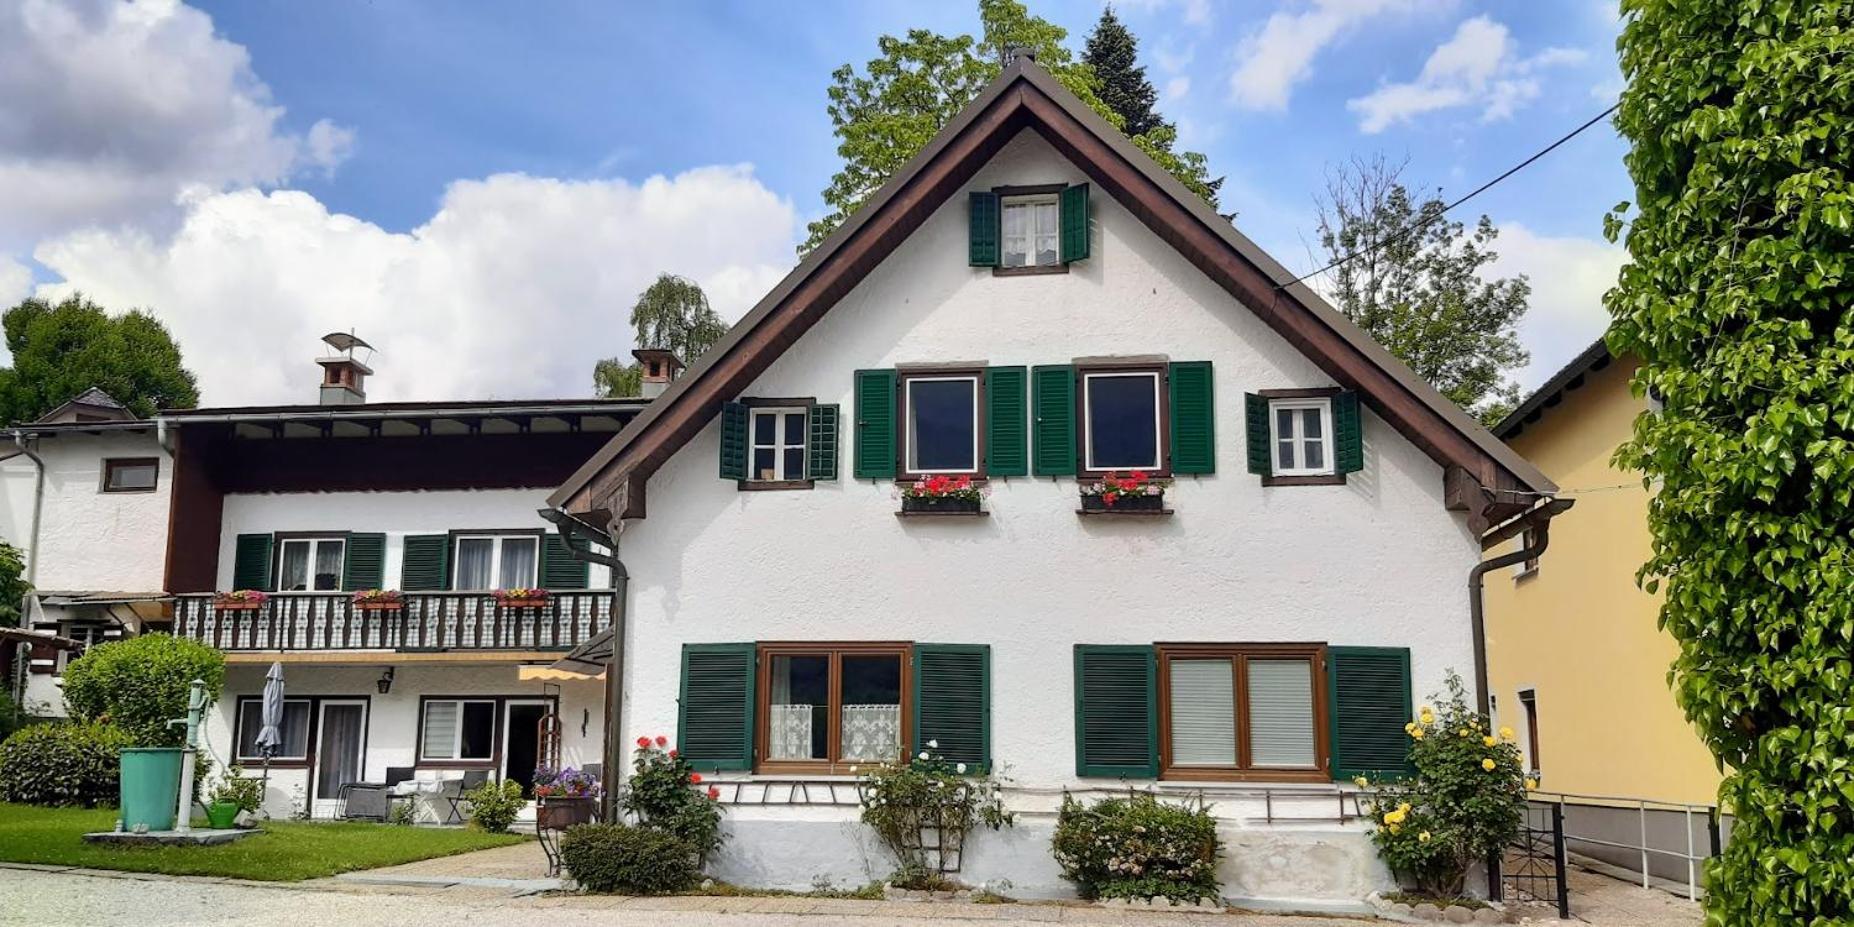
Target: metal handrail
point(1642, 806)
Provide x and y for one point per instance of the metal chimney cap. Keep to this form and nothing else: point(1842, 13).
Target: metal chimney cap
point(345, 341)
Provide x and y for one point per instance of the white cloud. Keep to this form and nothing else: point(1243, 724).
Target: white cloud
point(113, 107)
point(1569, 275)
point(15, 281)
point(512, 289)
point(1279, 54)
point(1195, 12)
point(1478, 66)
point(1175, 90)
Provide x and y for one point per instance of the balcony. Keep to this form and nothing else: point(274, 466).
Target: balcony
point(428, 622)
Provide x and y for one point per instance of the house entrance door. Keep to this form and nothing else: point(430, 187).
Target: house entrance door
point(521, 738)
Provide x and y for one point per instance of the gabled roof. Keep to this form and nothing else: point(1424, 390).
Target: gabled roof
point(92, 405)
point(1570, 377)
point(612, 483)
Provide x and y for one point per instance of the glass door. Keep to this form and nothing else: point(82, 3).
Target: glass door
point(521, 739)
point(340, 741)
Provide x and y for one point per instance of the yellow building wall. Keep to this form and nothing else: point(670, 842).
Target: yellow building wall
point(1580, 633)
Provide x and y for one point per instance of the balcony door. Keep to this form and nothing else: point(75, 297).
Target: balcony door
point(341, 742)
point(521, 741)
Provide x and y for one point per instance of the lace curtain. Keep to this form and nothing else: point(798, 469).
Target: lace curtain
point(871, 733)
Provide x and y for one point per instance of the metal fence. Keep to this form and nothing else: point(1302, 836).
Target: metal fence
point(1650, 838)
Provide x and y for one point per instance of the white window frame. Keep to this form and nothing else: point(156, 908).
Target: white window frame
point(315, 550)
point(782, 442)
point(1032, 231)
point(908, 458)
point(1322, 404)
point(495, 742)
point(495, 559)
point(1158, 411)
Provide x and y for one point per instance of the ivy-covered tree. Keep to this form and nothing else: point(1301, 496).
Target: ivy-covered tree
point(1739, 301)
point(886, 114)
point(61, 349)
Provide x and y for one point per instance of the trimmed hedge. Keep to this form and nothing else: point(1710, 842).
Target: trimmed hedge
point(141, 683)
point(615, 858)
point(62, 764)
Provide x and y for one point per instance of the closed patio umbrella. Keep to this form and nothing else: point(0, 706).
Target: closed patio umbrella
point(270, 732)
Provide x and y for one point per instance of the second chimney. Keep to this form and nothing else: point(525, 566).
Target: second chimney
point(660, 367)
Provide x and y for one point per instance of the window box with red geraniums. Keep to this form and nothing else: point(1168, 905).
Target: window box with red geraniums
point(942, 495)
point(379, 600)
point(520, 598)
point(1134, 492)
point(240, 600)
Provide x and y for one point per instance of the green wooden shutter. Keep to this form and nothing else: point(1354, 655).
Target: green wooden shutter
point(983, 250)
point(559, 568)
point(1007, 435)
point(821, 444)
point(251, 562)
point(1075, 223)
point(714, 726)
point(1255, 414)
point(426, 564)
point(1348, 434)
point(1052, 403)
point(952, 702)
point(875, 424)
point(1368, 695)
point(1116, 711)
point(366, 562)
point(733, 441)
point(1194, 417)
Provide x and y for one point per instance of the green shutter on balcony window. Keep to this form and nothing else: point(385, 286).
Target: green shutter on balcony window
point(251, 562)
point(1194, 417)
point(1255, 415)
point(821, 443)
point(425, 566)
point(875, 424)
point(714, 726)
point(1368, 701)
point(1116, 711)
point(733, 441)
point(1075, 223)
point(1052, 430)
point(952, 702)
point(366, 562)
point(983, 245)
point(1348, 434)
point(559, 568)
point(1007, 429)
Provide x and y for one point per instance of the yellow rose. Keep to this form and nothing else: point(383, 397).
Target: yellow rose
point(1395, 829)
point(1404, 807)
point(1489, 740)
point(1465, 732)
point(1531, 783)
point(1410, 728)
point(1506, 733)
point(1426, 716)
point(1418, 733)
point(1424, 836)
point(1361, 781)
point(1488, 764)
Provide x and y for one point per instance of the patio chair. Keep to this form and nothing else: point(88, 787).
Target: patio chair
point(452, 792)
point(372, 801)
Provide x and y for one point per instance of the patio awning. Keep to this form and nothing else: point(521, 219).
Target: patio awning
point(589, 658)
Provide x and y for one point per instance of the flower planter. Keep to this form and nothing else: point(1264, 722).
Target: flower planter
point(380, 606)
point(522, 603)
point(928, 505)
point(237, 605)
point(560, 813)
point(1095, 503)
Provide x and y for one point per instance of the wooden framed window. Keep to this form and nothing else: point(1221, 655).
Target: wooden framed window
point(310, 564)
point(495, 560)
point(826, 707)
point(776, 449)
point(295, 730)
point(1529, 703)
point(1123, 414)
point(1530, 565)
point(1243, 711)
point(941, 422)
point(131, 474)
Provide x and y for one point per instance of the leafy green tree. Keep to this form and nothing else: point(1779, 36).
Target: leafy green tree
point(887, 114)
point(63, 349)
point(1421, 292)
point(1737, 300)
point(671, 313)
point(13, 585)
point(141, 683)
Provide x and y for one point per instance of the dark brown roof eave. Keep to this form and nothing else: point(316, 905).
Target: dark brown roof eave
point(1568, 377)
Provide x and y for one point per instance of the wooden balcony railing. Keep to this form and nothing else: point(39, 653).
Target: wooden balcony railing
point(427, 621)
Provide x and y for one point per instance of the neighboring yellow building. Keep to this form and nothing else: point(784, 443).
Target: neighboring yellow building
point(1576, 663)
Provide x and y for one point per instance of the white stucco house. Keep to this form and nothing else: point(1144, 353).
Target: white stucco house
point(1031, 305)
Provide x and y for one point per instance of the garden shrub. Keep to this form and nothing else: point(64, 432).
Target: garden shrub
point(899, 800)
point(609, 858)
point(1139, 847)
point(662, 795)
point(1466, 801)
point(62, 763)
point(247, 794)
point(140, 684)
point(494, 805)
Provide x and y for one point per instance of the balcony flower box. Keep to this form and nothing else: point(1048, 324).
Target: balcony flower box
point(379, 600)
point(240, 600)
point(1133, 493)
point(942, 495)
point(521, 598)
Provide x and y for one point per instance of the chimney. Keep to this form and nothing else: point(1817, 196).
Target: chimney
point(660, 367)
point(344, 377)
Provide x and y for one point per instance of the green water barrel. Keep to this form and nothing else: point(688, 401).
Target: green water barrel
point(150, 787)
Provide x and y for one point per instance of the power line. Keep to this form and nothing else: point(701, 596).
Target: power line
point(1421, 223)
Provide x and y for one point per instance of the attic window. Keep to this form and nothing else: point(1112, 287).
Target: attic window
point(1029, 230)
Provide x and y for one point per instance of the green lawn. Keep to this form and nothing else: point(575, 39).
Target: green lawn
point(285, 851)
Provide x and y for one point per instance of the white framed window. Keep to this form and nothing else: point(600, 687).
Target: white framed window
point(294, 730)
point(1121, 420)
point(1300, 432)
point(496, 561)
point(310, 564)
point(941, 418)
point(1032, 227)
point(458, 729)
point(777, 451)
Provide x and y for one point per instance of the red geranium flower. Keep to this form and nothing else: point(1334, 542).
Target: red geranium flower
point(662, 741)
point(714, 794)
point(1107, 498)
point(643, 743)
point(672, 753)
point(695, 777)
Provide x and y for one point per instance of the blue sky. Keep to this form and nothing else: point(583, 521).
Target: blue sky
point(366, 151)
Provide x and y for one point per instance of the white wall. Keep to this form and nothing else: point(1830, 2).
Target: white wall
point(90, 540)
point(1377, 561)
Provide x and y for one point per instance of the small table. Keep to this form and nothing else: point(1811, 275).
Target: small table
point(451, 790)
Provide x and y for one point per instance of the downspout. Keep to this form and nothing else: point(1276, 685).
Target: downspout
point(1536, 520)
point(38, 509)
point(611, 753)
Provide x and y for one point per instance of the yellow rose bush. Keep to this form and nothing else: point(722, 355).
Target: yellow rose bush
point(1466, 801)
